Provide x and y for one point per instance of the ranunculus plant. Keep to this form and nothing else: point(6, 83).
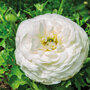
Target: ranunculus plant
point(50, 48)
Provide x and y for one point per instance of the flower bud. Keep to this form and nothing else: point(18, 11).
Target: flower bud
point(11, 15)
point(11, 18)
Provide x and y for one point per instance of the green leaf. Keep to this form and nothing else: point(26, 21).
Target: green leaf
point(43, 87)
point(2, 43)
point(29, 89)
point(27, 12)
point(35, 86)
point(68, 83)
point(61, 7)
point(2, 62)
point(1, 18)
point(84, 20)
point(2, 71)
point(40, 7)
point(87, 60)
point(61, 88)
point(88, 70)
point(15, 71)
point(24, 87)
point(88, 80)
point(1, 75)
point(77, 84)
point(15, 82)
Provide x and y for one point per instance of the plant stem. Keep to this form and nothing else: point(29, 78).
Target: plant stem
point(13, 27)
point(60, 7)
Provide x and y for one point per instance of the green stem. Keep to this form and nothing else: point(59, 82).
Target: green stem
point(60, 7)
point(13, 27)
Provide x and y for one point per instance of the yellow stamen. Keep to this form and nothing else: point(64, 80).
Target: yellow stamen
point(49, 41)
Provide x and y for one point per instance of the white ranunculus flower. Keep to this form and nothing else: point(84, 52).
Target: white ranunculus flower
point(50, 48)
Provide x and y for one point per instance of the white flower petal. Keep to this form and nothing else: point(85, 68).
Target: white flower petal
point(50, 48)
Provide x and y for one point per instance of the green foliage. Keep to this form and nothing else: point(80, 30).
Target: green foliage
point(11, 14)
point(15, 82)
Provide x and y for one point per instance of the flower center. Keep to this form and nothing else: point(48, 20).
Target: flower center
point(49, 41)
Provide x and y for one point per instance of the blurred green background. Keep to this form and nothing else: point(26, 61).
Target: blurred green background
point(12, 13)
